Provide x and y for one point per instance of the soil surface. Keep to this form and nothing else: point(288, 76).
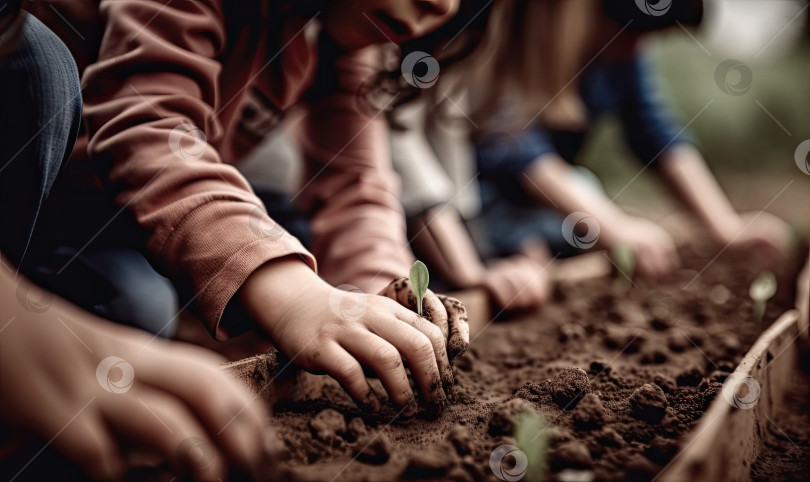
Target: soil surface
point(618, 371)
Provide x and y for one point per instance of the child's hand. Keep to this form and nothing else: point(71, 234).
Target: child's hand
point(767, 237)
point(449, 314)
point(326, 330)
point(88, 385)
point(654, 248)
point(517, 283)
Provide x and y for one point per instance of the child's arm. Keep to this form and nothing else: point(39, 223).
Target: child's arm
point(550, 179)
point(350, 189)
point(659, 142)
point(58, 384)
point(151, 109)
point(689, 177)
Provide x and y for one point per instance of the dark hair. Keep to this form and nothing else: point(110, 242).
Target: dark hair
point(648, 15)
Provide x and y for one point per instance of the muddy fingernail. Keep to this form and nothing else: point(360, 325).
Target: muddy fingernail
point(410, 408)
point(371, 403)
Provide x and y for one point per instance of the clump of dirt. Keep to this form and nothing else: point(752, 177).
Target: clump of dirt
point(619, 374)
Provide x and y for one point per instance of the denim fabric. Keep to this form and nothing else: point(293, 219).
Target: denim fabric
point(624, 88)
point(40, 113)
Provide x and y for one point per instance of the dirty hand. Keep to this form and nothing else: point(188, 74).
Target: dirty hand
point(763, 235)
point(323, 329)
point(59, 383)
point(517, 283)
point(654, 249)
point(449, 314)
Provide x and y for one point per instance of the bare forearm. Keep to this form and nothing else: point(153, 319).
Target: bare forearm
point(445, 245)
point(551, 180)
point(690, 179)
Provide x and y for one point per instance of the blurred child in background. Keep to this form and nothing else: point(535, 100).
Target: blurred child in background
point(528, 167)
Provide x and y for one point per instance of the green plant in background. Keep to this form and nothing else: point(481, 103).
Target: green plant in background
point(532, 436)
point(761, 290)
point(625, 259)
point(420, 278)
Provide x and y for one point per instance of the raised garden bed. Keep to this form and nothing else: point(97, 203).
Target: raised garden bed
point(620, 373)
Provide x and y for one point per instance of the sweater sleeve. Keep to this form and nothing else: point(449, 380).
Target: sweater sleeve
point(152, 102)
point(351, 191)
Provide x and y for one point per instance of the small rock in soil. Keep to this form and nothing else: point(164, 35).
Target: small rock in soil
point(569, 387)
point(589, 413)
point(328, 426)
point(570, 455)
point(648, 403)
point(373, 449)
point(505, 416)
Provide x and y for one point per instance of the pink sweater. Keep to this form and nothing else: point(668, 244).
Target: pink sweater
point(163, 109)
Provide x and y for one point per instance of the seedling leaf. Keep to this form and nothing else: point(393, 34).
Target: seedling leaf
point(419, 282)
point(764, 287)
point(532, 434)
point(625, 259)
point(761, 290)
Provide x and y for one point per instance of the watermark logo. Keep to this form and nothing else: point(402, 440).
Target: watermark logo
point(346, 303)
point(115, 374)
point(264, 227)
point(420, 70)
point(724, 77)
point(741, 391)
point(197, 451)
point(655, 8)
point(500, 461)
point(801, 157)
point(33, 298)
point(188, 142)
point(572, 230)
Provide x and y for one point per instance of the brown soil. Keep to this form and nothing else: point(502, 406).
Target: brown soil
point(619, 373)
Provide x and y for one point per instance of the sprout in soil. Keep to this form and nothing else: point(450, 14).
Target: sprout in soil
point(625, 259)
point(532, 434)
point(761, 290)
point(419, 282)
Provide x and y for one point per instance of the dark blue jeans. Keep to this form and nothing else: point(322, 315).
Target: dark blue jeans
point(40, 116)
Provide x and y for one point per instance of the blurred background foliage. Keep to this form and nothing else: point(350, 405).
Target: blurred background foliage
point(750, 152)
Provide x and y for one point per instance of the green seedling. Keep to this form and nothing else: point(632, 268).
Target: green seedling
point(419, 283)
point(532, 434)
point(625, 259)
point(761, 290)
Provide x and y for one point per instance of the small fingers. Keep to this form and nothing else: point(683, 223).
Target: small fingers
point(342, 365)
point(87, 442)
point(382, 356)
point(408, 340)
point(227, 412)
point(459, 327)
point(164, 423)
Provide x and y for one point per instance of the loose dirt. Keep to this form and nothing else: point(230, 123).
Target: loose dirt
point(618, 371)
